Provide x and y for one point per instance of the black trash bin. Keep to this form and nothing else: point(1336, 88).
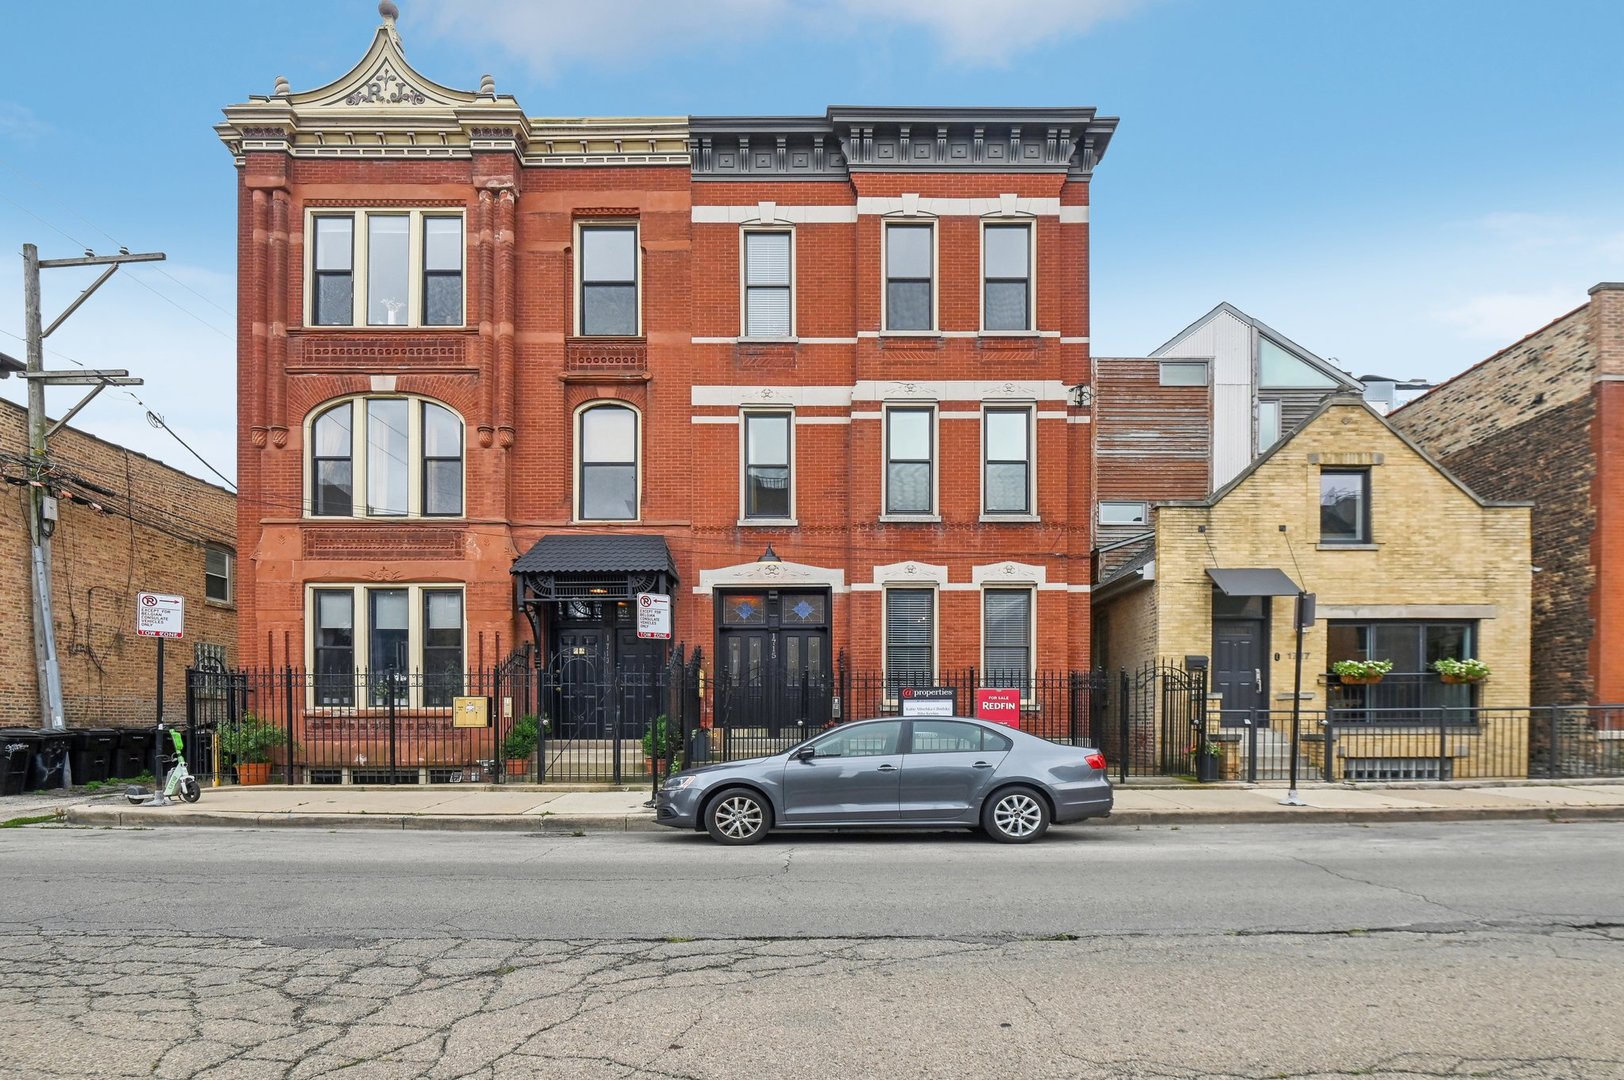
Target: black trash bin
point(17, 746)
point(49, 767)
point(91, 753)
point(134, 753)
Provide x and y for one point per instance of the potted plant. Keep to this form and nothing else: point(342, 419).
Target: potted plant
point(659, 741)
point(520, 745)
point(249, 746)
point(1206, 756)
point(1461, 671)
point(1361, 672)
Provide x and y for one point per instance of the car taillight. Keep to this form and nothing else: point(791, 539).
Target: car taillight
point(1095, 761)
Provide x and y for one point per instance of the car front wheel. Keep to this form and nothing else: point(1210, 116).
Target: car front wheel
point(1015, 816)
point(738, 816)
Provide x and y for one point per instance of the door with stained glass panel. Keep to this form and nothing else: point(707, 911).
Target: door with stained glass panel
point(774, 669)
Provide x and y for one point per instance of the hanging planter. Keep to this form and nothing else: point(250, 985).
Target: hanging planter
point(1361, 672)
point(1466, 671)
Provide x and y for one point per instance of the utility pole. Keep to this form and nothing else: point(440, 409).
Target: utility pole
point(42, 500)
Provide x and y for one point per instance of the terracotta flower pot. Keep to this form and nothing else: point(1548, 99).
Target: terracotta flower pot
point(518, 766)
point(254, 772)
point(1461, 680)
point(1360, 680)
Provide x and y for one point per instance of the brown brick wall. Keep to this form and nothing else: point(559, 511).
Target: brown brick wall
point(151, 540)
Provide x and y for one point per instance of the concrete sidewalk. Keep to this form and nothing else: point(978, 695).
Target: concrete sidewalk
point(537, 809)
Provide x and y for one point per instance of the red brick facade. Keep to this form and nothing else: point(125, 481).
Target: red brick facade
point(519, 371)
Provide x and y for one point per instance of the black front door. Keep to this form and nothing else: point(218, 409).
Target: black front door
point(1239, 667)
point(774, 669)
point(608, 678)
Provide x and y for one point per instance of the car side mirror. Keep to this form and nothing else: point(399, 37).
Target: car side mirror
point(806, 753)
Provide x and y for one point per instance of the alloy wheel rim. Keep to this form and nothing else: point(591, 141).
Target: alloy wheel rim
point(738, 817)
point(1017, 815)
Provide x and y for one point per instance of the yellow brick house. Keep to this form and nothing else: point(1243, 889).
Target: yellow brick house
point(1404, 564)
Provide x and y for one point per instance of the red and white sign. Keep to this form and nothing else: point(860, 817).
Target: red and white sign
point(653, 615)
point(160, 615)
point(1001, 706)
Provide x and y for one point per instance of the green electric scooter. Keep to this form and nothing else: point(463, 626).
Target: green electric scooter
point(179, 781)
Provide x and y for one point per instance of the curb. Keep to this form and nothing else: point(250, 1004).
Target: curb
point(115, 817)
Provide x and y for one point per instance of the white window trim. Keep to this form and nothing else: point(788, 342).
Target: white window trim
point(360, 633)
point(1031, 512)
point(575, 462)
point(358, 265)
point(745, 521)
point(358, 459)
point(579, 261)
point(1163, 365)
point(935, 633)
point(935, 512)
point(1031, 591)
point(744, 325)
point(1144, 513)
point(1031, 277)
point(935, 275)
point(231, 575)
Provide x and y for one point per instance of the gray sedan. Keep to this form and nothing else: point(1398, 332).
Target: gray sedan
point(918, 773)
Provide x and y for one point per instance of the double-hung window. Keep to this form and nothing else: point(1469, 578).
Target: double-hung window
point(608, 277)
point(910, 276)
point(400, 644)
point(386, 457)
point(217, 568)
point(386, 268)
point(1006, 268)
point(910, 639)
point(910, 467)
point(768, 301)
point(607, 453)
point(1006, 445)
point(1006, 637)
point(1345, 506)
point(767, 465)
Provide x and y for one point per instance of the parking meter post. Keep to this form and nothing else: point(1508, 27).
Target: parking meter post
point(1291, 798)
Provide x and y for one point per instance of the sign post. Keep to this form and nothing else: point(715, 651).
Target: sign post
point(654, 615)
point(161, 616)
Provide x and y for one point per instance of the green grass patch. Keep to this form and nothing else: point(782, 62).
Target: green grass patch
point(36, 819)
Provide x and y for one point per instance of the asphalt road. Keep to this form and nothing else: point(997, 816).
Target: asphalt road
point(1247, 951)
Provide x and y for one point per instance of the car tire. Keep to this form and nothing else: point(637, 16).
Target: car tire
point(1015, 815)
point(738, 816)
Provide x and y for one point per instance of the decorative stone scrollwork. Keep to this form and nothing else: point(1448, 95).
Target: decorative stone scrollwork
point(386, 88)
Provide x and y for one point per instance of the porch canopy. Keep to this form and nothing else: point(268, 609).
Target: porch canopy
point(595, 566)
point(1253, 581)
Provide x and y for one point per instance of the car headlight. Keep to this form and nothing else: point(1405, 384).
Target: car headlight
point(677, 783)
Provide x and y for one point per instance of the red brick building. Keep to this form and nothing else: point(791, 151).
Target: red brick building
point(1543, 420)
point(855, 344)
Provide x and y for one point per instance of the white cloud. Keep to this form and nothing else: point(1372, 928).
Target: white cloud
point(19, 122)
point(1505, 317)
point(549, 35)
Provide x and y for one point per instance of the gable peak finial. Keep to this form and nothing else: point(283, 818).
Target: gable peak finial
point(282, 87)
point(487, 86)
point(389, 11)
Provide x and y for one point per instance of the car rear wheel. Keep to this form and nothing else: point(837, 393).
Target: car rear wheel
point(738, 816)
point(1015, 816)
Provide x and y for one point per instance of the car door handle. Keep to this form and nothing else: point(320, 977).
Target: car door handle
point(887, 768)
point(982, 765)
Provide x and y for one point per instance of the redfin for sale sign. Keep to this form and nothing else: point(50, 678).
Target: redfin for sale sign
point(1001, 706)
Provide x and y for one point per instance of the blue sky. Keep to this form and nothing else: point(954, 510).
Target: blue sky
point(1402, 185)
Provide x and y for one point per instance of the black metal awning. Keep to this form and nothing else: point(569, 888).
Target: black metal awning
point(1253, 581)
point(601, 566)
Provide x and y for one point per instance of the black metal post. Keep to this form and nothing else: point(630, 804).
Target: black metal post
point(390, 701)
point(287, 721)
point(1122, 719)
point(1443, 744)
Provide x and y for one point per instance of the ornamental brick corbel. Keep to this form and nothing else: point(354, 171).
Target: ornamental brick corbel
point(486, 435)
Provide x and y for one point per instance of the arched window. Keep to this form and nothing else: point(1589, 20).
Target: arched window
point(386, 457)
point(606, 449)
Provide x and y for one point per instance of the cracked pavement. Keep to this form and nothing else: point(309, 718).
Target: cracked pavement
point(1409, 951)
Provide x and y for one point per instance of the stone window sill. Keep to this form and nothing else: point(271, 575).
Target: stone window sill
point(767, 523)
point(1009, 519)
point(911, 519)
point(1348, 547)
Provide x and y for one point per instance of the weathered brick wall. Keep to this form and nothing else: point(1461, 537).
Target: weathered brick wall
point(1517, 427)
point(151, 540)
